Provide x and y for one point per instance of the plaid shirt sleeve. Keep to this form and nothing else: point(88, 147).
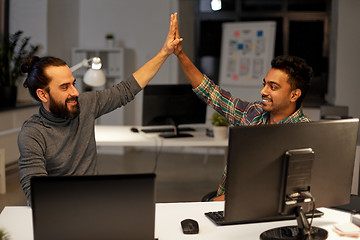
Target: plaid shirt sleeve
point(237, 112)
point(221, 188)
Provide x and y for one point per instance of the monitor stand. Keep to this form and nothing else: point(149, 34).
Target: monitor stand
point(303, 231)
point(175, 134)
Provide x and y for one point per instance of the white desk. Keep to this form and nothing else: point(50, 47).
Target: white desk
point(169, 216)
point(17, 221)
point(122, 136)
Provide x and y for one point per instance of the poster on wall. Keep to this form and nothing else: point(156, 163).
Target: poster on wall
point(246, 52)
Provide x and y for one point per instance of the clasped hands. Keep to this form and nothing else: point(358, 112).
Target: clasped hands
point(173, 40)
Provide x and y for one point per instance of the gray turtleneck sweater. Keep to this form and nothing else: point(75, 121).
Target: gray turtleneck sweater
point(54, 146)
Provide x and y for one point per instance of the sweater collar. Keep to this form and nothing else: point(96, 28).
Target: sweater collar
point(51, 117)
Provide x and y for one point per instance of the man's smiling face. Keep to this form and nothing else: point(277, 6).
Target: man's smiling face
point(277, 94)
point(62, 92)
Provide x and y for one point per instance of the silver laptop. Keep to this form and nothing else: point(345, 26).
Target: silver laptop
point(94, 207)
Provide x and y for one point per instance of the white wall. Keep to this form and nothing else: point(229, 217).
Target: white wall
point(345, 51)
point(63, 28)
point(138, 26)
point(30, 17)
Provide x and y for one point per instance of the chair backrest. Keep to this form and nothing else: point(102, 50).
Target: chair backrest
point(209, 196)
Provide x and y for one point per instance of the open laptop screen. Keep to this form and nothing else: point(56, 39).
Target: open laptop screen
point(94, 207)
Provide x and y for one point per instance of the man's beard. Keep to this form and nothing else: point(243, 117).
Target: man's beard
point(61, 110)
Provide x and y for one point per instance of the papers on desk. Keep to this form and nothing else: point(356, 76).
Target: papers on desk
point(347, 229)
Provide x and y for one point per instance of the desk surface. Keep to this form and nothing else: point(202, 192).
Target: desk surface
point(17, 222)
point(122, 136)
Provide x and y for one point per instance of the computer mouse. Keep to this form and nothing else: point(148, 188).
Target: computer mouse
point(190, 226)
point(134, 129)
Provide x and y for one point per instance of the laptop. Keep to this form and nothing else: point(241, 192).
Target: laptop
point(94, 207)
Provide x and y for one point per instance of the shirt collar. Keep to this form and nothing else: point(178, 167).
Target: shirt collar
point(294, 117)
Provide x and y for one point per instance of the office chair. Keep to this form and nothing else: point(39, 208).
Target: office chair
point(330, 112)
point(209, 196)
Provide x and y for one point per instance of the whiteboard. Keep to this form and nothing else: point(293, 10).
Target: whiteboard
point(246, 52)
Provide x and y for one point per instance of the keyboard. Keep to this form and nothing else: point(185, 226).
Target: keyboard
point(218, 218)
point(170, 129)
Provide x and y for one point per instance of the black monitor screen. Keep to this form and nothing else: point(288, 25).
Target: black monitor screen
point(256, 180)
point(172, 105)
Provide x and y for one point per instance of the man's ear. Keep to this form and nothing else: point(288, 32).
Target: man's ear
point(295, 94)
point(43, 95)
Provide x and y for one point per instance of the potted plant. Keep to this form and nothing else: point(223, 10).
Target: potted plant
point(220, 125)
point(11, 59)
point(3, 235)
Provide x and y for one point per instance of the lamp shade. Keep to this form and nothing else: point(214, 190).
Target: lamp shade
point(94, 78)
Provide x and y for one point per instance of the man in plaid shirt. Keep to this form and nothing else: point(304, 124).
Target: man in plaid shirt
point(285, 87)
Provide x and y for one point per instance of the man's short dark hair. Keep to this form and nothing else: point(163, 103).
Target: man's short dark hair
point(298, 71)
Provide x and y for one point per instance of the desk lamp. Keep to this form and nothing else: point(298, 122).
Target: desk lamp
point(94, 76)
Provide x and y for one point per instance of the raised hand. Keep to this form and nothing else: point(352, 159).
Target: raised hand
point(173, 39)
point(146, 72)
point(178, 47)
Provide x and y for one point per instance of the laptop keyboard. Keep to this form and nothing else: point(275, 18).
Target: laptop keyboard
point(218, 217)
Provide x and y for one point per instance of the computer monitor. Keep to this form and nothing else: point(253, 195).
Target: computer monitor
point(172, 105)
point(268, 163)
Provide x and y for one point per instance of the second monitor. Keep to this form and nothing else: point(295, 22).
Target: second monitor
point(172, 105)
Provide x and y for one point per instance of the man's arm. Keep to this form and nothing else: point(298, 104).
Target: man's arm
point(31, 161)
point(144, 74)
point(193, 74)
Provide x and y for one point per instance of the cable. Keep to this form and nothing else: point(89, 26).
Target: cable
point(307, 194)
point(313, 213)
point(157, 154)
point(158, 148)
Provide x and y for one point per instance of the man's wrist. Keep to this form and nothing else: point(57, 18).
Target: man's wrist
point(180, 53)
point(164, 52)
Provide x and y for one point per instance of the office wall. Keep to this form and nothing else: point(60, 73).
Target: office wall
point(63, 28)
point(344, 82)
point(30, 17)
point(138, 26)
point(186, 28)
